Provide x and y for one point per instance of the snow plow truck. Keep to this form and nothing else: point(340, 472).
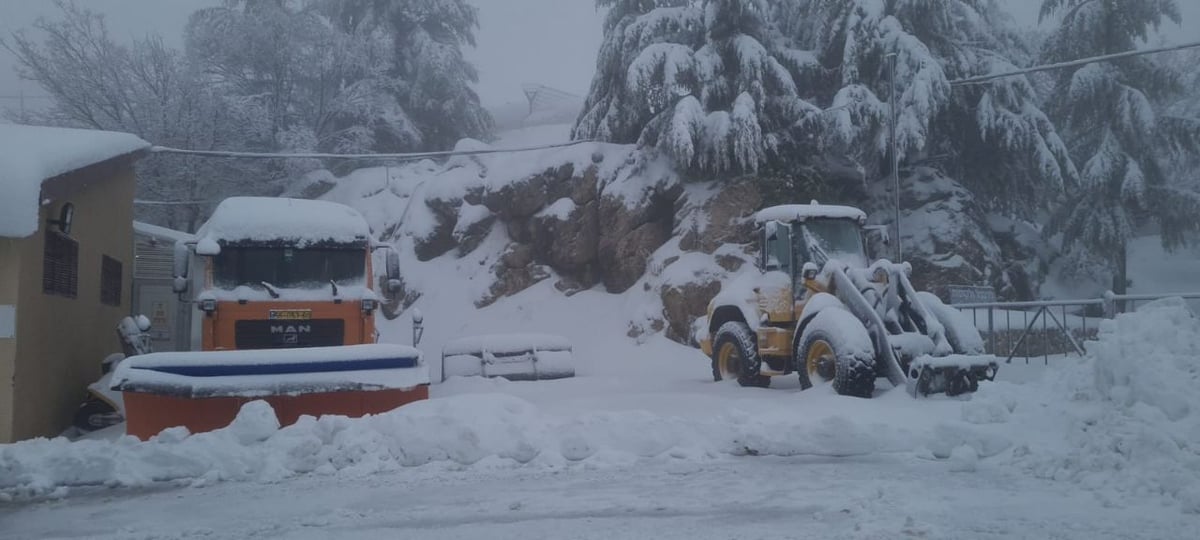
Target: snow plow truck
point(287, 302)
point(819, 308)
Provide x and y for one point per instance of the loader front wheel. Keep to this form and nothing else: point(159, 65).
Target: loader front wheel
point(735, 356)
point(836, 347)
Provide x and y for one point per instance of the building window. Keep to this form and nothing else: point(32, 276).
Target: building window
point(110, 281)
point(60, 265)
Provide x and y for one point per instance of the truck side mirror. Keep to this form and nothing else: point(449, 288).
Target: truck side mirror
point(392, 266)
point(181, 263)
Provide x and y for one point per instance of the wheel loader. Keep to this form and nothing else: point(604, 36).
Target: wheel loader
point(819, 308)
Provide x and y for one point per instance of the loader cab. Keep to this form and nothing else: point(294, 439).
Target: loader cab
point(798, 240)
point(788, 246)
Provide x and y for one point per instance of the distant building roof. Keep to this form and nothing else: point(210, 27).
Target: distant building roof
point(30, 155)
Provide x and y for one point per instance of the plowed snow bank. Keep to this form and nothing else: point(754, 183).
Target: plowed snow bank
point(1143, 435)
point(459, 430)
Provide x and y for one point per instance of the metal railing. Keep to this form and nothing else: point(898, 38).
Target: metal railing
point(1064, 323)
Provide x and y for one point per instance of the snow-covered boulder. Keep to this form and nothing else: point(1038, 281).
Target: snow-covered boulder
point(723, 216)
point(514, 272)
point(945, 234)
point(632, 231)
point(565, 236)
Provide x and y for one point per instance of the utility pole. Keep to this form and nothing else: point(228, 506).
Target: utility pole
point(895, 148)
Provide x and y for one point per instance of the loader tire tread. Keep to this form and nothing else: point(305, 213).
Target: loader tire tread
point(743, 338)
point(854, 377)
point(855, 372)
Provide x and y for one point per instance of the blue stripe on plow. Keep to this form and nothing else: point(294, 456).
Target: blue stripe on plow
point(222, 370)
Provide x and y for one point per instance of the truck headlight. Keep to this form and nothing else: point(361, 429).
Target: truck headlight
point(368, 306)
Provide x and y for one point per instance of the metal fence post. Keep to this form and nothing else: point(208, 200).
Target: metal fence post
point(1110, 304)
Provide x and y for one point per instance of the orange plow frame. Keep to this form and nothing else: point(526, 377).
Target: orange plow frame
point(146, 415)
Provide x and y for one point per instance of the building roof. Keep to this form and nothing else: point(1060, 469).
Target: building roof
point(801, 212)
point(268, 219)
point(30, 155)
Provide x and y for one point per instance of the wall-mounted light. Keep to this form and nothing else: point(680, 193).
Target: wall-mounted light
point(66, 216)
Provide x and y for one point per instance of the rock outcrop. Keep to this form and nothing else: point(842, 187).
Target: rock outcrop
point(948, 240)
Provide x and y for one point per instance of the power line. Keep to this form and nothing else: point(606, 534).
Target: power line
point(170, 203)
point(390, 157)
point(1072, 63)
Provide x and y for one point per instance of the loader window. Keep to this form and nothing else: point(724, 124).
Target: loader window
point(288, 267)
point(777, 246)
point(834, 239)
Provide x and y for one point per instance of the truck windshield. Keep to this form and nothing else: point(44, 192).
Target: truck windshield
point(838, 239)
point(288, 267)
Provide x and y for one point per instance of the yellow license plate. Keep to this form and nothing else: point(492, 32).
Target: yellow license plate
point(291, 314)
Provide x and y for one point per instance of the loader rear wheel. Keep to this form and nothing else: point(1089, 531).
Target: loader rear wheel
point(735, 356)
point(836, 346)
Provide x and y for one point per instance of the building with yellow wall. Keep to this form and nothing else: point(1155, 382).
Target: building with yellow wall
point(66, 261)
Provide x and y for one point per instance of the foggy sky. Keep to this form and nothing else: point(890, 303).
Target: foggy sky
point(551, 42)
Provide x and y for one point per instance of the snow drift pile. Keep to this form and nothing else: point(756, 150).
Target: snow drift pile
point(1142, 436)
point(477, 430)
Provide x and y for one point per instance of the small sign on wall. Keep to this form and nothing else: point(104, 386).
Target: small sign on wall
point(8, 322)
point(971, 294)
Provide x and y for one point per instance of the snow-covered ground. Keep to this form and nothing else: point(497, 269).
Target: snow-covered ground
point(643, 443)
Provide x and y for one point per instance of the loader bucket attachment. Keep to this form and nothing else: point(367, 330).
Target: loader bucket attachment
point(516, 357)
point(952, 375)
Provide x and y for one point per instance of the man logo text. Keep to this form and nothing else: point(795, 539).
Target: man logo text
point(291, 329)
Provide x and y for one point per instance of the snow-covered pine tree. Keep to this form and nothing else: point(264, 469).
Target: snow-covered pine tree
point(324, 88)
point(348, 75)
point(1183, 110)
point(994, 138)
point(432, 80)
point(708, 83)
point(1108, 111)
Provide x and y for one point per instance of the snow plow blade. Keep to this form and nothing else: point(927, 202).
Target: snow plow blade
point(204, 391)
point(516, 357)
point(953, 375)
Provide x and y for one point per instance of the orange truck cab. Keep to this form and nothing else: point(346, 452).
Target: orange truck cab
point(276, 273)
point(270, 277)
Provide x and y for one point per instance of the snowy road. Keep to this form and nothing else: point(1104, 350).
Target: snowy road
point(868, 497)
point(887, 485)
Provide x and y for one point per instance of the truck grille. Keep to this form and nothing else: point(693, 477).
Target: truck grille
point(289, 334)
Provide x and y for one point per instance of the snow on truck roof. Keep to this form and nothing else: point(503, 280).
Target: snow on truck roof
point(270, 219)
point(801, 212)
point(30, 155)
